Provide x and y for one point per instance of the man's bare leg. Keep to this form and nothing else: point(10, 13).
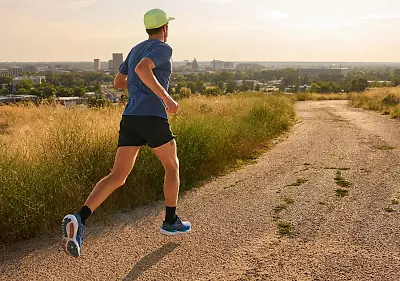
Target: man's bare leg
point(124, 161)
point(168, 157)
point(73, 224)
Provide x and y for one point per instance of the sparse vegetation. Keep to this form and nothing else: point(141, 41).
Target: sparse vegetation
point(384, 147)
point(341, 192)
point(340, 181)
point(335, 168)
point(51, 157)
point(288, 201)
point(389, 209)
point(395, 201)
point(299, 182)
point(279, 208)
point(285, 228)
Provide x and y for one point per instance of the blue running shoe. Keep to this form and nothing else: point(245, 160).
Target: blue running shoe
point(73, 231)
point(178, 227)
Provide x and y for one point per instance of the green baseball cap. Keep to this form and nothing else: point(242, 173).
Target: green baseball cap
point(156, 18)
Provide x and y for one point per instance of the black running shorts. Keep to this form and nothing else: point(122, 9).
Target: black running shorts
point(144, 130)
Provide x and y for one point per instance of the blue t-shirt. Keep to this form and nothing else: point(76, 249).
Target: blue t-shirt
point(142, 101)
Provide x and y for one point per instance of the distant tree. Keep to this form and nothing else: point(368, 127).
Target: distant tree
point(79, 91)
point(191, 86)
point(179, 78)
point(64, 92)
point(247, 86)
point(307, 80)
point(47, 90)
point(231, 86)
point(221, 86)
point(4, 92)
point(179, 86)
point(358, 84)
point(257, 87)
point(396, 73)
point(315, 88)
point(23, 91)
point(25, 84)
point(35, 91)
point(199, 87)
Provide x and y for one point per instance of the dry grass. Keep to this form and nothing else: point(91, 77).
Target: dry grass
point(52, 157)
point(384, 100)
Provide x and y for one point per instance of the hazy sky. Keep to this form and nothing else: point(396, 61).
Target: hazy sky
point(284, 30)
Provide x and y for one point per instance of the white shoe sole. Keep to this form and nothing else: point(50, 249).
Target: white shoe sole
point(69, 228)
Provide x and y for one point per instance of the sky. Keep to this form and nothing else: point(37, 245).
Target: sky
point(230, 30)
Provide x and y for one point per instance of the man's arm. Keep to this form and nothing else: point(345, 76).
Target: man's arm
point(145, 72)
point(120, 81)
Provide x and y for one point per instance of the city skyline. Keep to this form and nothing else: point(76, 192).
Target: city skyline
point(232, 30)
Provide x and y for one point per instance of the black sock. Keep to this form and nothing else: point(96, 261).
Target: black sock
point(170, 214)
point(84, 212)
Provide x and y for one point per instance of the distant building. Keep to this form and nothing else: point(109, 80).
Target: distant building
point(118, 59)
point(195, 65)
point(110, 64)
point(3, 72)
point(229, 65)
point(30, 68)
point(217, 64)
point(15, 71)
point(97, 65)
point(320, 71)
point(37, 80)
point(248, 66)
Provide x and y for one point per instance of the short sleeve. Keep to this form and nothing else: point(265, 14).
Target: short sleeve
point(160, 54)
point(123, 68)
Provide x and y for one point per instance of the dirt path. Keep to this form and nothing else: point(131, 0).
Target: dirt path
point(235, 235)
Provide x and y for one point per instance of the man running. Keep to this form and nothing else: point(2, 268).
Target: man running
point(145, 73)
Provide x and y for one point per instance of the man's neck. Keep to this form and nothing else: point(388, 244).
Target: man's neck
point(157, 37)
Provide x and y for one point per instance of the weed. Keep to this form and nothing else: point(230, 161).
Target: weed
point(341, 192)
point(285, 228)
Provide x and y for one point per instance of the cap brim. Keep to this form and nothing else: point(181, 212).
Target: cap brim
point(170, 18)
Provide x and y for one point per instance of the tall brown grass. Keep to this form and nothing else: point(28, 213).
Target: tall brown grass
point(384, 100)
point(51, 157)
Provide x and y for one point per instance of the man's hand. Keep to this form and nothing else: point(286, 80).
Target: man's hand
point(171, 105)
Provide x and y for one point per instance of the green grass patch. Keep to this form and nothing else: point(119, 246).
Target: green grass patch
point(389, 209)
point(340, 181)
point(279, 208)
point(285, 228)
point(341, 192)
point(384, 147)
point(288, 201)
point(52, 157)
